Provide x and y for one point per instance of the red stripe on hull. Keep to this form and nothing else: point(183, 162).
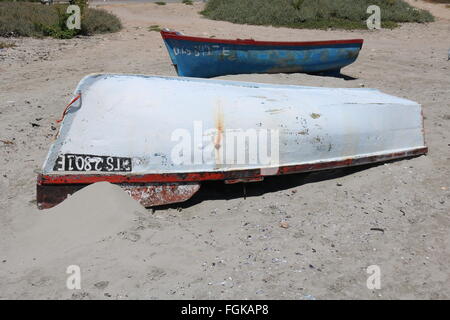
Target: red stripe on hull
point(224, 175)
point(174, 35)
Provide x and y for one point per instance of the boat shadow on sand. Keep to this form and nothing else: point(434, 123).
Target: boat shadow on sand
point(218, 190)
point(332, 74)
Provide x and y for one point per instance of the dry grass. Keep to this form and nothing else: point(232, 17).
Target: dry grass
point(345, 14)
point(154, 27)
point(99, 21)
point(28, 19)
point(5, 45)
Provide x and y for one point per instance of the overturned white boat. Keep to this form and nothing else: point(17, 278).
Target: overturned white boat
point(160, 137)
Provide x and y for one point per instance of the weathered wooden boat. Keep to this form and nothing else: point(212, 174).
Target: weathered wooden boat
point(206, 57)
point(159, 138)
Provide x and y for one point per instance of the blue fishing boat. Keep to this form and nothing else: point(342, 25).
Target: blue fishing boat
point(208, 57)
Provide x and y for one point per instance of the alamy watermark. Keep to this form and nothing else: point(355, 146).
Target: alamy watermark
point(374, 21)
point(374, 280)
point(73, 281)
point(219, 146)
point(74, 20)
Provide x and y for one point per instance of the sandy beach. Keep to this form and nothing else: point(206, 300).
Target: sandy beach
point(220, 244)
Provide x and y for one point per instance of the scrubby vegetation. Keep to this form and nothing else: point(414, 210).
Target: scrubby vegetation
point(5, 45)
point(154, 27)
point(346, 14)
point(29, 19)
point(99, 21)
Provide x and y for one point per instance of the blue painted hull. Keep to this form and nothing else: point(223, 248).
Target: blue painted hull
point(210, 59)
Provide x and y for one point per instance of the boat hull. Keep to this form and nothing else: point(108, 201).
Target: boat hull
point(150, 133)
point(205, 58)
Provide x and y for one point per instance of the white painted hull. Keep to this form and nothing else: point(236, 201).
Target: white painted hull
point(136, 116)
point(148, 130)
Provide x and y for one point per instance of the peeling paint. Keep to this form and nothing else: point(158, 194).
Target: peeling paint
point(317, 131)
point(274, 111)
point(218, 139)
point(250, 56)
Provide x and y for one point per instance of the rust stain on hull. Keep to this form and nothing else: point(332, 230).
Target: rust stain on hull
point(156, 195)
point(148, 195)
point(218, 139)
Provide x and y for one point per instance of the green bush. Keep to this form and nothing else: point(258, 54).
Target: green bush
point(99, 21)
point(26, 19)
point(347, 14)
point(35, 20)
point(59, 30)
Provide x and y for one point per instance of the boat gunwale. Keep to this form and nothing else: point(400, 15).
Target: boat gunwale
point(179, 177)
point(177, 36)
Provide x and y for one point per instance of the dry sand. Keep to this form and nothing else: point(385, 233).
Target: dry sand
point(220, 244)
